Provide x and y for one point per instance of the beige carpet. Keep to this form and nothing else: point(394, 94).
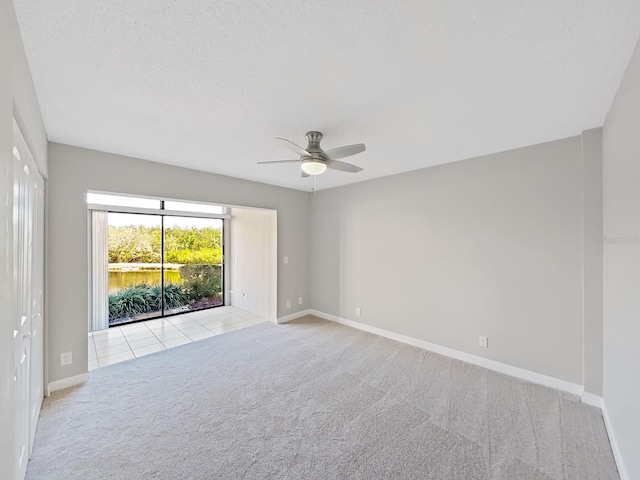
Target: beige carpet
point(314, 400)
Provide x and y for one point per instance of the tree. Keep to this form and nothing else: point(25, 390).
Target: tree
point(182, 245)
point(133, 244)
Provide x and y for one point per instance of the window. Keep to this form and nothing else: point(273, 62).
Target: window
point(122, 201)
point(194, 207)
point(139, 204)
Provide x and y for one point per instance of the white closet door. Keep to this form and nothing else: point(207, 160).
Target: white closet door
point(21, 324)
point(37, 310)
point(28, 246)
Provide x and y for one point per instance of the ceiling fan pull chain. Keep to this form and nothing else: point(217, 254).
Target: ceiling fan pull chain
point(314, 188)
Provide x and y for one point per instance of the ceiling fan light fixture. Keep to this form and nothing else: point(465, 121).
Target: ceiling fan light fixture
point(313, 166)
point(315, 161)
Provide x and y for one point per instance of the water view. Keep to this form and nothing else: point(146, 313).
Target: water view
point(120, 280)
point(162, 264)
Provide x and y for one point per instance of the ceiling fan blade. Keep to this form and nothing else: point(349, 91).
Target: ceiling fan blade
point(280, 161)
point(346, 151)
point(296, 148)
point(343, 166)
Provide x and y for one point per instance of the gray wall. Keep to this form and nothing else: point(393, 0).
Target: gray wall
point(17, 97)
point(621, 172)
point(592, 269)
point(491, 246)
point(73, 171)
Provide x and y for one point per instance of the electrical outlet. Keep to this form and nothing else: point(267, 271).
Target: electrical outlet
point(484, 342)
point(300, 301)
point(358, 311)
point(288, 303)
point(66, 358)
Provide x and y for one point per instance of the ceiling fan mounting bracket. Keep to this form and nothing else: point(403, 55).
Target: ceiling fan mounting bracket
point(314, 150)
point(314, 138)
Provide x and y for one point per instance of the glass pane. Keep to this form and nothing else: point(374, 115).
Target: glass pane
point(194, 207)
point(135, 268)
point(193, 263)
point(121, 201)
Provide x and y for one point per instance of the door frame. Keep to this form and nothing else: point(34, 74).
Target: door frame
point(162, 212)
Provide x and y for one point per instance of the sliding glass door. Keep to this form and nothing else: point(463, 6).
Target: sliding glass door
point(135, 267)
point(192, 263)
point(162, 265)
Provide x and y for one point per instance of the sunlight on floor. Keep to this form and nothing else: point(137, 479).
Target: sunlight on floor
point(118, 344)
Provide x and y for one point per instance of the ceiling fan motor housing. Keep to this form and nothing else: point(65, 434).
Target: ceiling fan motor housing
point(314, 149)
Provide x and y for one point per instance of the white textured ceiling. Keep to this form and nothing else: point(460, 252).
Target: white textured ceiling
point(208, 84)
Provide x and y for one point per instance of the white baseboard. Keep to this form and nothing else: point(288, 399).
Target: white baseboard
point(617, 455)
point(517, 372)
point(293, 316)
point(66, 383)
point(592, 399)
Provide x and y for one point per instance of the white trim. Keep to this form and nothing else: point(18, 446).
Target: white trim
point(154, 211)
point(66, 383)
point(517, 372)
point(293, 316)
point(592, 399)
point(617, 455)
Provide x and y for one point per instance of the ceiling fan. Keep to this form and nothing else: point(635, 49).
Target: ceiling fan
point(314, 161)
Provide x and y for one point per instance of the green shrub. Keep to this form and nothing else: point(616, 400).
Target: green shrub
point(143, 298)
point(174, 297)
point(130, 302)
point(200, 281)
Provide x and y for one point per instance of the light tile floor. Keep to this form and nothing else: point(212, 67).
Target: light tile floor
point(118, 344)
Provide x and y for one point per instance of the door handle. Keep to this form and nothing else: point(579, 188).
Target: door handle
point(27, 335)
